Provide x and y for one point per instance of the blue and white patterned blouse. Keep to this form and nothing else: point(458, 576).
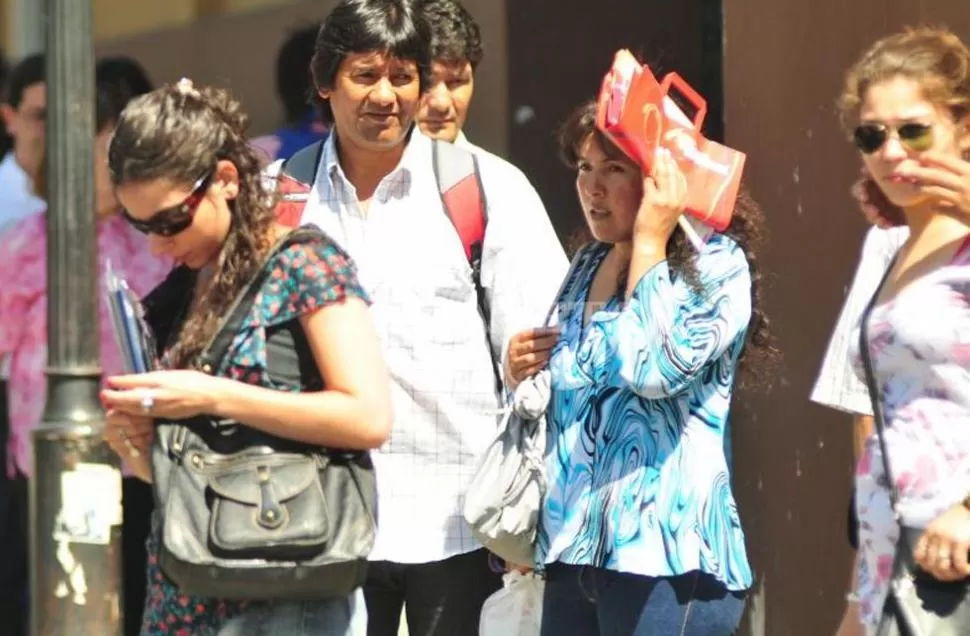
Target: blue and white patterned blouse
point(638, 480)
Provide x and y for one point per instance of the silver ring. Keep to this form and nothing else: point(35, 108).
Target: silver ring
point(147, 402)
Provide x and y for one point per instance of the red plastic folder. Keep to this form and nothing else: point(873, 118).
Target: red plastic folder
point(636, 112)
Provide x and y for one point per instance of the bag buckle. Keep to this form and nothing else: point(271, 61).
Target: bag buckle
point(271, 514)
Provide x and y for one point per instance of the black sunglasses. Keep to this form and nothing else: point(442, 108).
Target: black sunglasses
point(177, 218)
point(871, 137)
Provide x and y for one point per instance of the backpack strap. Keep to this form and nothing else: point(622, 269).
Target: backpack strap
point(296, 178)
point(460, 185)
point(459, 181)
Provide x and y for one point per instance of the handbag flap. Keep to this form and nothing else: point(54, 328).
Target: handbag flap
point(244, 483)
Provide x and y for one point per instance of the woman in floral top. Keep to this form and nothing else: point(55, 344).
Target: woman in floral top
point(188, 178)
point(908, 101)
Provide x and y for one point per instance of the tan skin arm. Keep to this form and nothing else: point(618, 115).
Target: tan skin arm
point(862, 427)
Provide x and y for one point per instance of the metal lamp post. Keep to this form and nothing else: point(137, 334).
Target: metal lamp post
point(75, 492)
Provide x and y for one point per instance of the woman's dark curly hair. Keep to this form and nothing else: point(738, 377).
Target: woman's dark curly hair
point(179, 133)
point(747, 229)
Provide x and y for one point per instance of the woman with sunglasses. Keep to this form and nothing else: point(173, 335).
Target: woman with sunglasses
point(908, 103)
point(187, 177)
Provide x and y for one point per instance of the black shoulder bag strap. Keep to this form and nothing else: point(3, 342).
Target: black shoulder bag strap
point(873, 386)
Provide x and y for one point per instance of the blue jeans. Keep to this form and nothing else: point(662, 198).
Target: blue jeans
point(587, 601)
point(337, 617)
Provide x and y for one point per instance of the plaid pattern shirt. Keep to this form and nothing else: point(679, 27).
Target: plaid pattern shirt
point(837, 385)
point(411, 262)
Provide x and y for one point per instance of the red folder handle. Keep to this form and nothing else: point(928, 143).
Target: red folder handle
point(673, 80)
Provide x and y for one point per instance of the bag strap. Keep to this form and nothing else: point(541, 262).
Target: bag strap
point(296, 178)
point(213, 355)
point(565, 288)
point(303, 164)
point(459, 179)
point(873, 386)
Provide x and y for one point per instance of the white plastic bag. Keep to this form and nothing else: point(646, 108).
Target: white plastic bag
point(516, 609)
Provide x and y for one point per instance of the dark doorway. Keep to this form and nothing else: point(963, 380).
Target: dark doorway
point(558, 53)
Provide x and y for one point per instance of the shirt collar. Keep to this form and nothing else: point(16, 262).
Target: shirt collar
point(16, 172)
point(417, 154)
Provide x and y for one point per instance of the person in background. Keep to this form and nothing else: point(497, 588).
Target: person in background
point(456, 52)
point(24, 111)
point(5, 140)
point(10, 593)
point(293, 87)
point(23, 327)
point(121, 70)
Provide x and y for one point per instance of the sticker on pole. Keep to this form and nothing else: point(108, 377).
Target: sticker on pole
point(90, 504)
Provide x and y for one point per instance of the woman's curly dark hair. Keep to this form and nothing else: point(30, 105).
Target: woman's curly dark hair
point(747, 229)
point(179, 132)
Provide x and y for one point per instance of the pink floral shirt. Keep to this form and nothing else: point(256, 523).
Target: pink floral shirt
point(23, 315)
point(920, 348)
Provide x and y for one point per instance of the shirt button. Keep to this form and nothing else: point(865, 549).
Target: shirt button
point(207, 368)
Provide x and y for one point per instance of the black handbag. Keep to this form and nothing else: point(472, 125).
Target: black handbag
point(246, 515)
point(917, 603)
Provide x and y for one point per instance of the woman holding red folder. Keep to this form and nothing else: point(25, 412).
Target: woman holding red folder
point(639, 532)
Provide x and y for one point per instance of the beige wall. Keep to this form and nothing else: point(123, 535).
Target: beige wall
point(124, 18)
point(114, 19)
point(238, 49)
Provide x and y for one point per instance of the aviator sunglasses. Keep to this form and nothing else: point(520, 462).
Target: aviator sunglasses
point(871, 137)
point(177, 218)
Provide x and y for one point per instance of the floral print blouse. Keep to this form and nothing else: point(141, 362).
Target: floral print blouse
point(304, 278)
point(919, 344)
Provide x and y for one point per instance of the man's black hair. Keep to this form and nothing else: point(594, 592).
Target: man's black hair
point(293, 81)
point(455, 36)
point(29, 71)
point(118, 80)
point(361, 26)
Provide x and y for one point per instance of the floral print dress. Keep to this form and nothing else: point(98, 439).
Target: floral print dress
point(304, 278)
point(919, 343)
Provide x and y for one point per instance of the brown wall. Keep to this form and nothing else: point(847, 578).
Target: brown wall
point(784, 61)
point(239, 51)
